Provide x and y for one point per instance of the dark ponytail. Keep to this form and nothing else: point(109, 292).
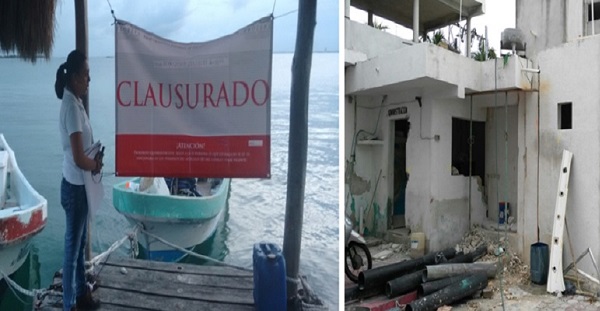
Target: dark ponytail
point(61, 80)
point(74, 63)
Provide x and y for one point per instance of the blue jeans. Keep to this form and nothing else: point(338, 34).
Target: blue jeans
point(74, 202)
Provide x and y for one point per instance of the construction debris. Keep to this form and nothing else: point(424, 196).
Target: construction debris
point(515, 271)
point(513, 277)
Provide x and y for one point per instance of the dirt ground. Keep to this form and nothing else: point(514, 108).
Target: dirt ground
point(519, 292)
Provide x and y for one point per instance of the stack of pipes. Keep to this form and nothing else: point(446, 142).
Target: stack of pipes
point(438, 278)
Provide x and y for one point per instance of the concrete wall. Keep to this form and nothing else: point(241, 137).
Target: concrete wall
point(499, 184)
point(371, 41)
point(574, 19)
point(547, 24)
point(447, 216)
point(368, 188)
point(569, 74)
point(361, 177)
point(543, 23)
point(436, 201)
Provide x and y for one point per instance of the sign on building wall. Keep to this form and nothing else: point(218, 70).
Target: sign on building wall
point(397, 111)
point(193, 109)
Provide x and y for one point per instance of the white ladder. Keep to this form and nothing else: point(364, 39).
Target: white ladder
point(556, 282)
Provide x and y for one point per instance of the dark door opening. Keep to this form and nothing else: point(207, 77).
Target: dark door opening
point(400, 176)
point(461, 130)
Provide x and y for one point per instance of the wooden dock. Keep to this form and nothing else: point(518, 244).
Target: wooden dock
point(129, 284)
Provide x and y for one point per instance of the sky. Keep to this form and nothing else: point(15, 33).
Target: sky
point(499, 15)
point(192, 21)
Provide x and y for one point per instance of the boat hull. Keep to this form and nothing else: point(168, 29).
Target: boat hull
point(13, 256)
point(186, 235)
point(23, 211)
point(183, 221)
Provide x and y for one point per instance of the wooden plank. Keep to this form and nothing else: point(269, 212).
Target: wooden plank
point(111, 273)
point(166, 284)
point(104, 307)
point(177, 267)
point(150, 285)
point(111, 299)
point(556, 282)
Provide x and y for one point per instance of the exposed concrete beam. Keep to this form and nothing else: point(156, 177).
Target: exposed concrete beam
point(455, 5)
point(440, 22)
point(452, 4)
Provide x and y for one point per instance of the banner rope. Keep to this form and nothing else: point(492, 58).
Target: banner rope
point(112, 12)
point(191, 253)
point(284, 14)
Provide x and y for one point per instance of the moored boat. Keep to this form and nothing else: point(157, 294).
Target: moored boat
point(185, 221)
point(23, 212)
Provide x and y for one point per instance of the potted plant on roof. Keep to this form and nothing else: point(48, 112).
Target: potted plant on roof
point(439, 39)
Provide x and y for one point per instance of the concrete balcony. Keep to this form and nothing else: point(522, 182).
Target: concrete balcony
point(426, 66)
point(364, 42)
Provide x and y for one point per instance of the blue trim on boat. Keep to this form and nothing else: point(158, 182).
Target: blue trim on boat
point(165, 256)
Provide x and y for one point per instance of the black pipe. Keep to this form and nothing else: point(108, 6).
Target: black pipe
point(443, 271)
point(435, 258)
point(404, 284)
point(430, 287)
point(470, 257)
point(355, 293)
point(449, 294)
point(464, 258)
point(380, 275)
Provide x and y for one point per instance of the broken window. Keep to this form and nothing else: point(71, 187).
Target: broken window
point(460, 148)
point(565, 116)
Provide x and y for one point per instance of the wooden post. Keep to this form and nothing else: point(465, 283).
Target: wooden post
point(81, 44)
point(81, 36)
point(298, 141)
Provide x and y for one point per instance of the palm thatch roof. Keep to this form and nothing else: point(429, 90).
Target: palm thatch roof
point(27, 27)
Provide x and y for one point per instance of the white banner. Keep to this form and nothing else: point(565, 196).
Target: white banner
point(193, 109)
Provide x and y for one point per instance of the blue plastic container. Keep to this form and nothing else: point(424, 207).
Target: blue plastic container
point(270, 291)
point(502, 209)
point(539, 257)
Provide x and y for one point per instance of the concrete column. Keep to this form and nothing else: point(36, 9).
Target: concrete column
point(416, 21)
point(347, 9)
point(469, 36)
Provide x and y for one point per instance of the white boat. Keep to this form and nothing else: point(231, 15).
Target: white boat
point(185, 221)
point(23, 212)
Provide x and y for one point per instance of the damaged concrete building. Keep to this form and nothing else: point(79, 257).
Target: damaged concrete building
point(437, 141)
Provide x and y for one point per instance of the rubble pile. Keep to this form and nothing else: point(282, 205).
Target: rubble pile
point(390, 252)
point(515, 271)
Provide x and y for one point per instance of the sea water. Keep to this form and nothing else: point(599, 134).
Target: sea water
point(29, 113)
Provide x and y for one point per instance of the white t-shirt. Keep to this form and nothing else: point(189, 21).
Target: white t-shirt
point(73, 119)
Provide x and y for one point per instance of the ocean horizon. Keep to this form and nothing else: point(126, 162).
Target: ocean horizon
point(256, 207)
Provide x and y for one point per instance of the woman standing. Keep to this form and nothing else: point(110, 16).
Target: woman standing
point(72, 81)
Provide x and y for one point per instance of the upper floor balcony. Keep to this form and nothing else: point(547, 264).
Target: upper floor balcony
point(379, 62)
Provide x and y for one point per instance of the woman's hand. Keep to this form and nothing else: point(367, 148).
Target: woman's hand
point(98, 159)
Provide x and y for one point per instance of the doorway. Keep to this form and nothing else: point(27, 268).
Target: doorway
point(401, 128)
